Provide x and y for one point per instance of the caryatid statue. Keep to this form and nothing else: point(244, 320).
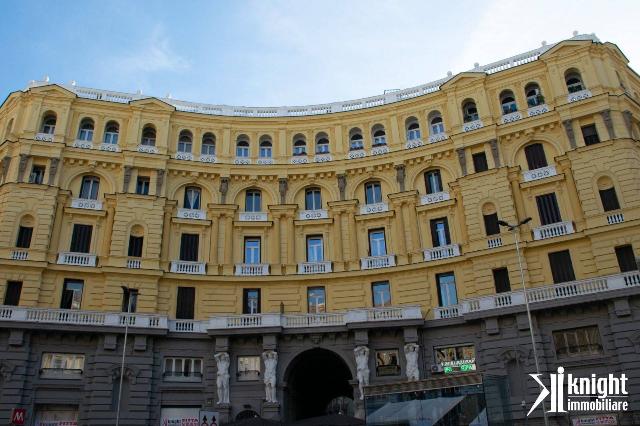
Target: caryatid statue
point(362, 366)
point(222, 381)
point(411, 351)
point(270, 359)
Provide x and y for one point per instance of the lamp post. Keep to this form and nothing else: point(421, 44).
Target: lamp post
point(515, 229)
point(126, 291)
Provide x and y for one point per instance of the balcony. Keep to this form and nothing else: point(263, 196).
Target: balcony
point(313, 320)
point(537, 174)
point(378, 150)
point(208, 158)
point(541, 294)
point(253, 217)
point(472, 125)
point(192, 214)
point(537, 110)
point(356, 153)
point(386, 313)
point(77, 259)
point(442, 252)
point(252, 269)
point(245, 321)
point(313, 214)
point(148, 149)
point(553, 230)
point(413, 143)
point(511, 117)
point(436, 197)
point(494, 241)
point(76, 317)
point(300, 159)
point(18, 254)
point(43, 137)
point(86, 203)
point(376, 262)
point(134, 263)
point(243, 161)
point(110, 147)
point(322, 158)
point(187, 326)
point(186, 267)
point(323, 267)
point(438, 137)
point(184, 156)
point(614, 218)
point(579, 95)
point(82, 144)
point(374, 208)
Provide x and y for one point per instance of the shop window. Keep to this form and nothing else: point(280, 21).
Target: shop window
point(456, 359)
point(179, 369)
point(387, 363)
point(248, 368)
point(61, 366)
point(578, 342)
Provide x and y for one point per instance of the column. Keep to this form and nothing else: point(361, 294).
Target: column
point(54, 242)
point(213, 248)
point(336, 239)
point(108, 229)
point(574, 199)
point(276, 244)
point(166, 234)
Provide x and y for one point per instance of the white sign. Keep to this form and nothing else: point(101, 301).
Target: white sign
point(180, 416)
point(595, 420)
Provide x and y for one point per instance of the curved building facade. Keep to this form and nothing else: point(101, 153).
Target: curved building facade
point(307, 260)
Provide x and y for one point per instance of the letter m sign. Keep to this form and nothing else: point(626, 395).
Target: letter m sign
point(18, 415)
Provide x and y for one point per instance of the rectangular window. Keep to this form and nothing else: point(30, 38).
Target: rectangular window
point(61, 366)
point(387, 363)
point(253, 201)
point(189, 244)
point(192, 198)
point(252, 250)
point(24, 237)
point(447, 294)
point(480, 162)
point(491, 224)
point(12, 293)
point(89, 188)
point(456, 359)
point(535, 156)
point(561, 266)
point(185, 303)
point(372, 193)
point(501, 280)
point(548, 209)
point(315, 250)
point(578, 342)
point(590, 134)
point(248, 368)
point(316, 300)
point(381, 292)
point(251, 301)
point(71, 294)
point(312, 199)
point(135, 246)
point(129, 299)
point(609, 199)
point(142, 185)
point(377, 243)
point(626, 259)
point(37, 174)
point(440, 232)
point(81, 238)
point(178, 369)
point(433, 181)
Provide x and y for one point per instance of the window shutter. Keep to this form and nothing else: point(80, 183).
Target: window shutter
point(561, 266)
point(548, 209)
point(609, 199)
point(185, 303)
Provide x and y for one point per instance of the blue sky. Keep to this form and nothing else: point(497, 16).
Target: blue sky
point(284, 52)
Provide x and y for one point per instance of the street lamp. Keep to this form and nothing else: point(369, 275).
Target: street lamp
point(515, 229)
point(126, 291)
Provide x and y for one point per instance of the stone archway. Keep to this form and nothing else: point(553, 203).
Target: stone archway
point(314, 379)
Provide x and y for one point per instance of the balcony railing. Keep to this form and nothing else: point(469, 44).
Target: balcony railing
point(541, 294)
point(495, 241)
point(134, 263)
point(541, 173)
point(356, 153)
point(537, 110)
point(110, 147)
point(208, 158)
point(378, 150)
point(253, 216)
point(511, 117)
point(313, 320)
point(614, 218)
point(82, 144)
point(19, 254)
point(68, 316)
point(438, 137)
point(436, 197)
point(252, 269)
point(413, 143)
point(245, 321)
point(149, 149)
point(184, 156)
point(242, 160)
point(192, 214)
point(472, 125)
point(262, 161)
point(374, 208)
point(322, 158)
point(314, 267)
point(43, 137)
point(553, 230)
point(76, 259)
point(186, 267)
point(442, 252)
point(187, 326)
point(375, 262)
point(579, 95)
point(313, 214)
point(300, 159)
point(86, 203)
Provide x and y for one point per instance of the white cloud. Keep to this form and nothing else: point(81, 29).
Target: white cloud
point(153, 55)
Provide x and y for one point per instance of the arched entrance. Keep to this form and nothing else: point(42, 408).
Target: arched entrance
point(314, 379)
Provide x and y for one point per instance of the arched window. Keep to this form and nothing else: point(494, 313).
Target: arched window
point(136, 240)
point(85, 132)
point(534, 94)
point(355, 139)
point(148, 136)
point(111, 131)
point(185, 141)
point(299, 145)
point(322, 143)
point(574, 80)
point(372, 192)
point(48, 123)
point(312, 199)
point(536, 158)
point(89, 187)
point(208, 144)
point(253, 201)
point(412, 127)
point(242, 146)
point(508, 102)
point(266, 147)
point(192, 197)
point(608, 194)
point(379, 135)
point(433, 181)
point(469, 111)
point(435, 123)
